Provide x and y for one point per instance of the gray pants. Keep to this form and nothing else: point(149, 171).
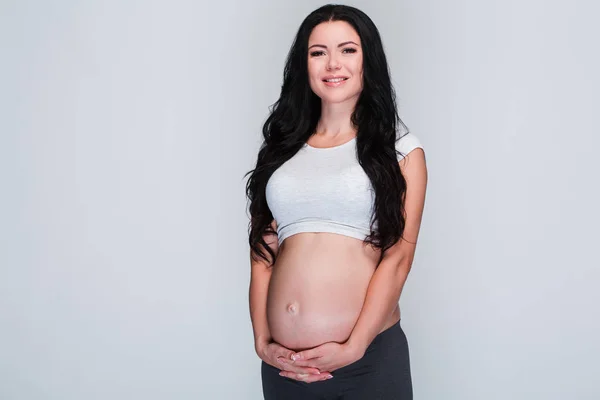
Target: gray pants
point(383, 373)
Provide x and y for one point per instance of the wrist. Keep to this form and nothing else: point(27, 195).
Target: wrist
point(356, 346)
point(259, 345)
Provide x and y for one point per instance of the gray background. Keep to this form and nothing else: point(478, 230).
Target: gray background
point(126, 128)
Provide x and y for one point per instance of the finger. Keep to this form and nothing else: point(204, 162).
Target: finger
point(283, 352)
point(313, 362)
point(291, 366)
point(306, 354)
point(311, 378)
point(307, 378)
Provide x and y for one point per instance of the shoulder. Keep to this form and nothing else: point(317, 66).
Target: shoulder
point(407, 143)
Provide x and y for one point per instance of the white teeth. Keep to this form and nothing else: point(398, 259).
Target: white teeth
point(335, 80)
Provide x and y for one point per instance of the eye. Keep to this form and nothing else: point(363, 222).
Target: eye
point(349, 50)
point(316, 53)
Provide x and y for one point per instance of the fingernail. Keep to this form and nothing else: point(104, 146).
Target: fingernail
point(281, 374)
point(295, 357)
point(329, 376)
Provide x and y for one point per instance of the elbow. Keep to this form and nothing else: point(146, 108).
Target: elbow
point(402, 268)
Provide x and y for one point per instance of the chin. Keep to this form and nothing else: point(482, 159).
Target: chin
point(337, 99)
point(340, 96)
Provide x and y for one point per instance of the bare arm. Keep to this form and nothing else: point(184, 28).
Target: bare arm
point(259, 286)
point(388, 280)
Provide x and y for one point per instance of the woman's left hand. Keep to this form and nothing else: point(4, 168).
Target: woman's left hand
point(326, 357)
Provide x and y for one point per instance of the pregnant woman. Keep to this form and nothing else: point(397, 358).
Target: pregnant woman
point(335, 202)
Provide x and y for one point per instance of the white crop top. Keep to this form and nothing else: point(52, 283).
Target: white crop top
point(325, 190)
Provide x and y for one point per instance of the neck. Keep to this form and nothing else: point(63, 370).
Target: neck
point(335, 119)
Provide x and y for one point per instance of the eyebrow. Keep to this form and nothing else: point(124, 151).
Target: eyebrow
point(339, 45)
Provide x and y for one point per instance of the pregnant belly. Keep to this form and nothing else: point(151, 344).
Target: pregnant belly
point(316, 294)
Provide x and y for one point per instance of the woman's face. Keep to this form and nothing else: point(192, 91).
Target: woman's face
point(335, 62)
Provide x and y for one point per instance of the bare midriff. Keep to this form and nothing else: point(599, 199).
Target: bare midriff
point(318, 287)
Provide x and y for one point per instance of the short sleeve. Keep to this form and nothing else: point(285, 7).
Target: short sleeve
point(406, 144)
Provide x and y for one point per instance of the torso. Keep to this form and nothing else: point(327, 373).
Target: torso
point(318, 287)
point(319, 281)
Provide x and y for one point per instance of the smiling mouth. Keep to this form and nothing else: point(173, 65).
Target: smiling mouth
point(335, 80)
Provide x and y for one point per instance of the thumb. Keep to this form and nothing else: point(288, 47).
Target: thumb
point(285, 353)
point(288, 354)
point(305, 354)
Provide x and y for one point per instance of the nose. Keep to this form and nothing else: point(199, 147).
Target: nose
point(332, 63)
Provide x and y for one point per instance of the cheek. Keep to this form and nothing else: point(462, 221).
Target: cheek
point(359, 66)
point(360, 75)
point(313, 68)
point(313, 75)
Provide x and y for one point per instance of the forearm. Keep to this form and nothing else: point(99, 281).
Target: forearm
point(259, 285)
point(381, 300)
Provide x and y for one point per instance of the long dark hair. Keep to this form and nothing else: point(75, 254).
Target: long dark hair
point(293, 119)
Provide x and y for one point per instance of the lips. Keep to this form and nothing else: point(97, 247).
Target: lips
point(335, 81)
point(335, 78)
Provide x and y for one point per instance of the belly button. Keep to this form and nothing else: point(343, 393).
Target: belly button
point(292, 308)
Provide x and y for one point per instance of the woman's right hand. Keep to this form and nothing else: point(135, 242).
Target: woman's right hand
point(280, 357)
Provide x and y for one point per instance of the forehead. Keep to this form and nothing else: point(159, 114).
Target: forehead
point(333, 32)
